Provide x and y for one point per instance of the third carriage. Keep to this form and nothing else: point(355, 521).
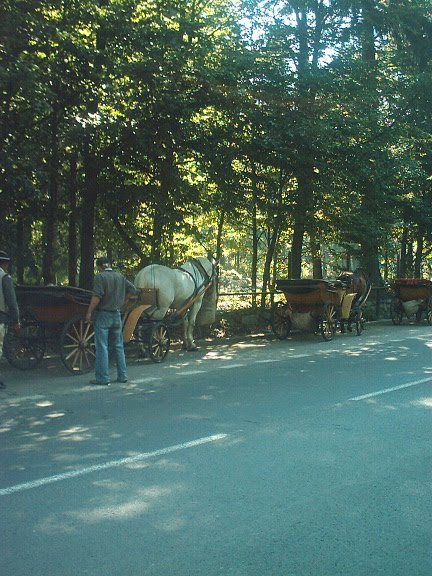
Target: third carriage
point(412, 298)
point(321, 306)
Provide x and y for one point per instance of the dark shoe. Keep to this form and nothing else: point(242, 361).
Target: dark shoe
point(99, 383)
point(2, 385)
point(121, 381)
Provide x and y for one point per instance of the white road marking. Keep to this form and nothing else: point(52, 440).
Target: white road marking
point(111, 464)
point(388, 390)
point(229, 366)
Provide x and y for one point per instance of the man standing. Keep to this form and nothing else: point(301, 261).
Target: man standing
point(109, 293)
point(9, 313)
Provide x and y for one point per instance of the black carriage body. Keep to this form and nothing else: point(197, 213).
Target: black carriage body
point(55, 316)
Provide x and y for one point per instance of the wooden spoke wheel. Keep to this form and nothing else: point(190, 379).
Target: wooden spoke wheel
point(328, 321)
point(77, 344)
point(158, 342)
point(396, 312)
point(280, 320)
point(25, 348)
point(429, 311)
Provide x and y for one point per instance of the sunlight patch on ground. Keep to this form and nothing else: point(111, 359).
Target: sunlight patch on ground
point(171, 525)
point(148, 380)
point(424, 402)
point(55, 415)
point(75, 434)
point(216, 356)
point(115, 512)
point(14, 402)
point(247, 345)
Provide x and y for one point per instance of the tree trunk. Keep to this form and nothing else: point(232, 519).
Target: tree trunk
point(304, 171)
point(419, 255)
point(73, 221)
point(254, 267)
point(219, 250)
point(220, 226)
point(162, 204)
point(370, 262)
point(369, 245)
point(317, 265)
point(302, 213)
point(20, 236)
point(410, 258)
point(273, 238)
point(88, 210)
point(51, 221)
point(402, 271)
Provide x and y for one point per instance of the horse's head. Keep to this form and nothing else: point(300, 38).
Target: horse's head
point(356, 282)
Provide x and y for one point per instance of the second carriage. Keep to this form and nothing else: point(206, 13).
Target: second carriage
point(320, 306)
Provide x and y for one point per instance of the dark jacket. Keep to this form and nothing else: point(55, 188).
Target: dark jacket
point(9, 312)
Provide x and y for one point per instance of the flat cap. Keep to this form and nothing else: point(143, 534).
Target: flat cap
point(102, 261)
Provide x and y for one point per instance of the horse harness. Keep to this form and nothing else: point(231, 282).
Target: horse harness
point(207, 279)
point(199, 289)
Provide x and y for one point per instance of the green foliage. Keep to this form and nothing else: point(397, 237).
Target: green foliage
point(265, 132)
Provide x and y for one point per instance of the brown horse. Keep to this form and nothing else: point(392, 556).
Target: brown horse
point(357, 283)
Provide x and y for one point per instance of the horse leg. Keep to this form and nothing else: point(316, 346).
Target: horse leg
point(190, 325)
point(185, 332)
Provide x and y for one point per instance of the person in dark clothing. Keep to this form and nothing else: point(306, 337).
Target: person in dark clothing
point(9, 312)
point(109, 294)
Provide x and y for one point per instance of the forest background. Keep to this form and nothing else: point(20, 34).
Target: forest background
point(286, 138)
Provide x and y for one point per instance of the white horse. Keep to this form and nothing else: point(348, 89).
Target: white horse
point(181, 289)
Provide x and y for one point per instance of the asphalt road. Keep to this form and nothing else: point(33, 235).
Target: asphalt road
point(249, 458)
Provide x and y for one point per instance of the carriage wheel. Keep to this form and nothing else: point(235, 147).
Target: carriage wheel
point(328, 321)
point(25, 348)
point(77, 343)
point(429, 311)
point(159, 342)
point(359, 322)
point(280, 320)
point(396, 312)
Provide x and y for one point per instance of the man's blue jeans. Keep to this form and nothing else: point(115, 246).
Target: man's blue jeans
point(108, 324)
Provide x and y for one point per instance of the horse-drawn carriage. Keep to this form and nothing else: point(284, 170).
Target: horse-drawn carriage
point(320, 306)
point(55, 316)
point(412, 297)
